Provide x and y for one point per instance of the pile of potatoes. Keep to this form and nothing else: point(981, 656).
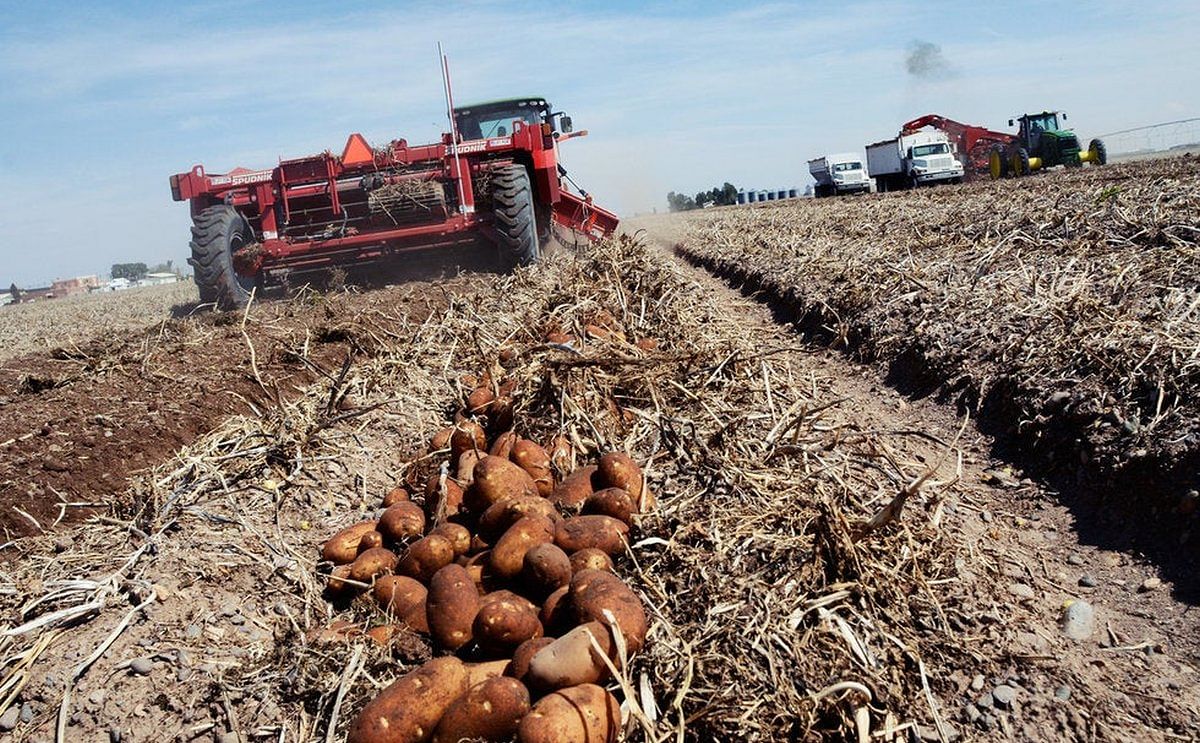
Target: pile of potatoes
point(601, 327)
point(509, 572)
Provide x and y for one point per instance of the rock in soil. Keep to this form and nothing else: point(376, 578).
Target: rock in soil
point(141, 666)
point(1087, 581)
point(1149, 584)
point(1062, 693)
point(1003, 695)
point(1079, 620)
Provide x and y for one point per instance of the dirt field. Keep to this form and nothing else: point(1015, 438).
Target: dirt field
point(832, 556)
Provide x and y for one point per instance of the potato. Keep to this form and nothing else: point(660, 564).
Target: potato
point(339, 630)
point(575, 488)
point(502, 446)
point(500, 516)
point(342, 547)
point(508, 555)
point(467, 435)
point(457, 534)
point(591, 558)
point(557, 336)
point(601, 532)
point(500, 412)
point(647, 344)
point(403, 598)
point(476, 565)
point(490, 712)
point(443, 498)
point(618, 470)
point(477, 673)
point(425, 557)
point(579, 714)
point(394, 496)
point(337, 584)
point(562, 454)
point(504, 594)
point(496, 480)
point(509, 356)
point(441, 439)
point(519, 665)
point(546, 567)
point(593, 592)
point(451, 606)
point(536, 461)
point(465, 471)
point(401, 522)
point(382, 634)
point(373, 562)
point(557, 615)
point(505, 623)
point(370, 540)
point(409, 709)
point(572, 659)
point(479, 400)
point(615, 502)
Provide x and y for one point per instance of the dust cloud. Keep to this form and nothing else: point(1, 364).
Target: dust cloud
point(925, 60)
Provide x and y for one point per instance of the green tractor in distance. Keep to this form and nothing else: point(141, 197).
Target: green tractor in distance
point(1041, 143)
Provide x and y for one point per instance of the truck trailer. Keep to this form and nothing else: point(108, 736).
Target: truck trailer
point(912, 160)
point(839, 174)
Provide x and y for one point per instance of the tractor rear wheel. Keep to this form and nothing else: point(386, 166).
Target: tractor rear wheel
point(516, 215)
point(997, 164)
point(1020, 162)
point(1098, 151)
point(217, 233)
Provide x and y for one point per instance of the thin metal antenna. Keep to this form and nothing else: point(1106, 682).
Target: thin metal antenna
point(444, 63)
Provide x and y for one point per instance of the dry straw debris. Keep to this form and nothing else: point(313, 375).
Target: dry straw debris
point(1064, 307)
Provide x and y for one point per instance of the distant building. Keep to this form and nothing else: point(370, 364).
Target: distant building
point(116, 285)
point(154, 279)
point(77, 285)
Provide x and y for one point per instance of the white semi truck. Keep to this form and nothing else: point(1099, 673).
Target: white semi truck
point(911, 160)
point(839, 174)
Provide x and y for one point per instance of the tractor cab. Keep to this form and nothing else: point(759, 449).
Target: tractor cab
point(495, 118)
point(1033, 125)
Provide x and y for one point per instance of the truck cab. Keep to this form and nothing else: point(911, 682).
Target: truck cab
point(839, 174)
point(932, 161)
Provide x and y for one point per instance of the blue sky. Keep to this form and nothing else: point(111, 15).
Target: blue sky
point(101, 103)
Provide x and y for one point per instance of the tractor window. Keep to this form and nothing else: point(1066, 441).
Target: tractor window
point(924, 150)
point(1049, 122)
point(843, 167)
point(496, 122)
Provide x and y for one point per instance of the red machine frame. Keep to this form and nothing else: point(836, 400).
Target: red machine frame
point(974, 143)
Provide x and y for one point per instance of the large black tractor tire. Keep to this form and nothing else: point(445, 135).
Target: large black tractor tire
point(998, 163)
point(516, 215)
point(1020, 162)
point(217, 233)
point(1097, 146)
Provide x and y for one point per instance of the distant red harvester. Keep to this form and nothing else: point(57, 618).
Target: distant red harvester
point(974, 143)
point(495, 176)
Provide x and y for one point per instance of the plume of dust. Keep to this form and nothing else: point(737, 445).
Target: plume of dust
point(926, 61)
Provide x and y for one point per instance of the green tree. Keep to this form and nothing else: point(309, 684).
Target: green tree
point(131, 271)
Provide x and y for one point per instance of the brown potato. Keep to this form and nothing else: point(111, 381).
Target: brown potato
point(496, 480)
point(373, 562)
point(489, 712)
point(504, 594)
point(647, 344)
point(572, 659)
point(465, 471)
point(575, 488)
point(479, 400)
point(342, 547)
point(382, 634)
point(509, 356)
point(593, 592)
point(536, 461)
point(557, 336)
point(394, 496)
point(601, 532)
point(505, 623)
point(337, 584)
point(458, 535)
point(467, 435)
point(557, 615)
point(425, 557)
point(519, 665)
point(508, 556)
point(546, 568)
point(618, 470)
point(443, 498)
point(441, 439)
point(591, 558)
point(370, 540)
point(502, 446)
point(339, 630)
point(451, 606)
point(401, 522)
point(578, 714)
point(403, 598)
point(477, 673)
point(562, 454)
point(500, 516)
point(476, 565)
point(615, 502)
point(409, 709)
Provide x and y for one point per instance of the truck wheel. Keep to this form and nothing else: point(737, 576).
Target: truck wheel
point(217, 233)
point(516, 219)
point(1098, 152)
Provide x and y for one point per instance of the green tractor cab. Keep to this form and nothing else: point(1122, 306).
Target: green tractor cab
point(1041, 142)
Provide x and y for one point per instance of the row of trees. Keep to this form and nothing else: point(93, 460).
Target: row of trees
point(135, 271)
point(726, 195)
